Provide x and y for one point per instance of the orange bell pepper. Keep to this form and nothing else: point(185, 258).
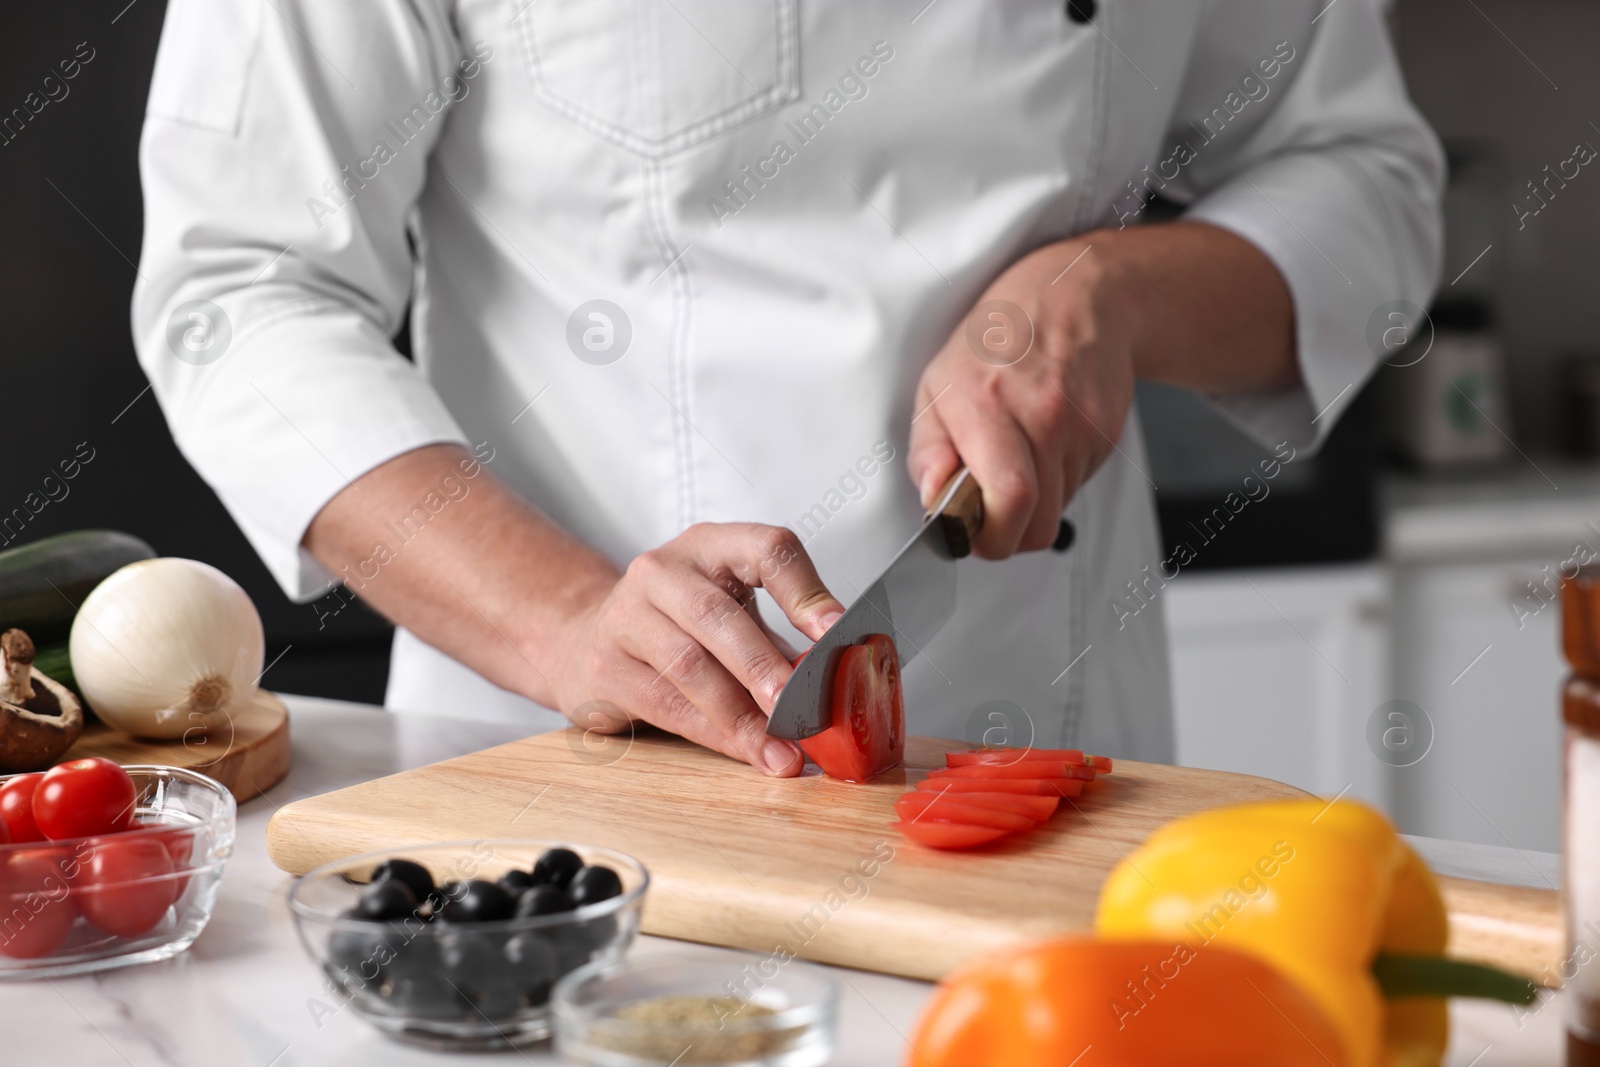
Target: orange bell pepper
point(1054, 1004)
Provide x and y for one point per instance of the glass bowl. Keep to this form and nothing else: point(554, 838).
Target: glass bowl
point(460, 985)
point(684, 1008)
point(54, 922)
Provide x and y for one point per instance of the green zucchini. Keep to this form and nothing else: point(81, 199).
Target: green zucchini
point(42, 583)
point(55, 662)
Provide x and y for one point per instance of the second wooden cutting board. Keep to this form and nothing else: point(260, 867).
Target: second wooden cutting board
point(808, 866)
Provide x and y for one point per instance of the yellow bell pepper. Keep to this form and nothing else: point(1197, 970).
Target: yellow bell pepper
point(1316, 890)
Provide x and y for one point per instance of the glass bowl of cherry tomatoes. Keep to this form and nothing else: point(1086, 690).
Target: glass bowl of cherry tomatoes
point(106, 866)
point(456, 945)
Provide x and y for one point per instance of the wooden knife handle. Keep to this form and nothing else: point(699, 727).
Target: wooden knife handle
point(962, 515)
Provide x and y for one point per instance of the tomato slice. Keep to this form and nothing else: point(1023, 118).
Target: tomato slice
point(1000, 757)
point(1037, 808)
point(868, 731)
point(937, 834)
point(1043, 787)
point(945, 809)
point(1025, 769)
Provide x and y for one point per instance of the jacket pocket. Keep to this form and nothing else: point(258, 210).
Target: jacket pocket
point(657, 76)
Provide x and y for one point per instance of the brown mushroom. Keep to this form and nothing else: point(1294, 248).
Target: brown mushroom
point(39, 717)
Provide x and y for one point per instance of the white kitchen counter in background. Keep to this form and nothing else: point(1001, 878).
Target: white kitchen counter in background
point(239, 997)
point(1292, 672)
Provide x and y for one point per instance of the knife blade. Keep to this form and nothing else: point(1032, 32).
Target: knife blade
point(911, 601)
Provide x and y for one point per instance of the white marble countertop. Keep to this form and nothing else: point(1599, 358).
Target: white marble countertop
point(244, 995)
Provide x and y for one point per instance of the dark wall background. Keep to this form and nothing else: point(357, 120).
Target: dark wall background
point(72, 223)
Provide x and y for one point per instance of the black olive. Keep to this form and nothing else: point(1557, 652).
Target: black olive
point(541, 900)
point(533, 966)
point(556, 867)
point(515, 881)
point(418, 955)
point(480, 902)
point(476, 965)
point(574, 946)
point(357, 959)
point(592, 885)
point(414, 875)
point(429, 995)
point(388, 899)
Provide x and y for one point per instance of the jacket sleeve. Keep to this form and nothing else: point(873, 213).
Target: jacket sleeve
point(284, 145)
point(1302, 140)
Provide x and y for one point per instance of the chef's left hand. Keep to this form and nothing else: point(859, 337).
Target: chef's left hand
point(1031, 420)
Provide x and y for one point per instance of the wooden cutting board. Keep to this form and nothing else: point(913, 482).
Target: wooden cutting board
point(248, 754)
point(740, 859)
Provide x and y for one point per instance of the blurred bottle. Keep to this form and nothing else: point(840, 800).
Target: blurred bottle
point(1450, 397)
point(1580, 709)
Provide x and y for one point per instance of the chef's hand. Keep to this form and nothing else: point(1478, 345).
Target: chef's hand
point(678, 642)
point(1032, 419)
point(1032, 389)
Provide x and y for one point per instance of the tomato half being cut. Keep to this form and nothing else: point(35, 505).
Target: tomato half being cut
point(914, 807)
point(949, 834)
point(1026, 769)
point(1001, 757)
point(1043, 787)
point(867, 734)
point(1037, 808)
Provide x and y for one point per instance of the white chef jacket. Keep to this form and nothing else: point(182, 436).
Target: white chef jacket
point(787, 206)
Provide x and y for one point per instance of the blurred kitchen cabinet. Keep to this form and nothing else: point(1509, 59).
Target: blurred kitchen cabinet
point(1480, 654)
point(1277, 672)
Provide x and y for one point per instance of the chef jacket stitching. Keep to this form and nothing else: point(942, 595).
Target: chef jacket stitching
point(677, 347)
point(1087, 213)
point(784, 89)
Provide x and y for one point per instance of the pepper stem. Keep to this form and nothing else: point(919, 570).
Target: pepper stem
point(1435, 976)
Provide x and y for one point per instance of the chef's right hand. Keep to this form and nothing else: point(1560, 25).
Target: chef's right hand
point(679, 643)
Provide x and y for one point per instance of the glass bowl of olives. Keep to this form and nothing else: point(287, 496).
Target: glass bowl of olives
point(456, 945)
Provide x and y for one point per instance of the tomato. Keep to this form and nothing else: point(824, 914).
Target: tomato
point(125, 885)
point(1000, 757)
point(1037, 808)
point(936, 834)
point(1026, 769)
point(868, 731)
point(36, 908)
point(915, 807)
point(1042, 787)
point(82, 798)
point(179, 841)
point(5, 834)
point(16, 808)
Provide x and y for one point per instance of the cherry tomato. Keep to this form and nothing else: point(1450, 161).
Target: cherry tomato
point(125, 885)
point(1000, 757)
point(1043, 787)
point(1025, 769)
point(5, 834)
point(1037, 808)
point(949, 834)
point(16, 807)
point(918, 807)
point(867, 734)
point(82, 798)
point(35, 903)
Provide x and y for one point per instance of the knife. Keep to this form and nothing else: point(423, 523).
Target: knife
point(911, 601)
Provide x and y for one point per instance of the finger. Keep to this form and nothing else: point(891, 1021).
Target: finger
point(931, 457)
point(1000, 457)
point(771, 557)
point(718, 621)
point(752, 608)
point(1046, 521)
point(658, 700)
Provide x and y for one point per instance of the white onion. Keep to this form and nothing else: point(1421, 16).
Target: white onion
point(166, 646)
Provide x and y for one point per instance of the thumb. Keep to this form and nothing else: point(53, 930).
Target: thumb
point(931, 456)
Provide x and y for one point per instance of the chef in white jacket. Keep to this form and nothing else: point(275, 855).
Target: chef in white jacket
point(694, 285)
